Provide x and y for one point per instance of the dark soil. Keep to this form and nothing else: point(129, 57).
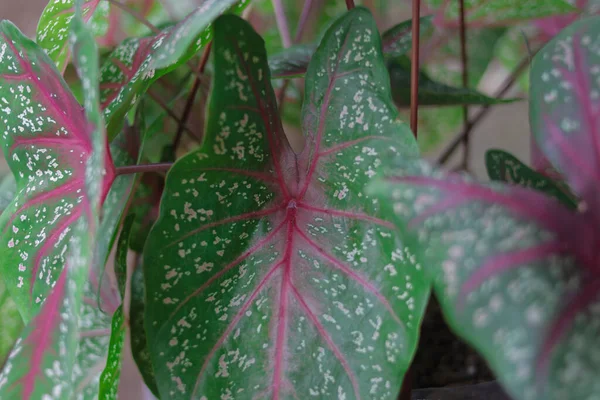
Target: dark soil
point(442, 359)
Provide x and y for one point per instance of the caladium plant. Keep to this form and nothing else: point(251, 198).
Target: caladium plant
point(264, 268)
point(257, 241)
point(515, 270)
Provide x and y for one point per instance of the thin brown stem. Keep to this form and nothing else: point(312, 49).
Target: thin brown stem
point(135, 15)
point(414, 68)
point(299, 32)
point(139, 169)
point(192, 97)
point(465, 82)
point(350, 4)
point(170, 112)
point(508, 83)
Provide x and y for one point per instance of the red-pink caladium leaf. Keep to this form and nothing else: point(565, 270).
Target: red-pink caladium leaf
point(516, 274)
point(42, 363)
point(565, 106)
point(480, 13)
point(47, 141)
point(54, 26)
point(271, 273)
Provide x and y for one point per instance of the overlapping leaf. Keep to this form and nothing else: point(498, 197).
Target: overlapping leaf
point(504, 167)
point(294, 60)
point(272, 273)
point(47, 142)
point(137, 62)
point(563, 107)
point(515, 271)
point(42, 362)
point(109, 380)
point(54, 26)
point(431, 93)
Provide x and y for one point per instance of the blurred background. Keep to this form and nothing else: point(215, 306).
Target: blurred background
point(505, 127)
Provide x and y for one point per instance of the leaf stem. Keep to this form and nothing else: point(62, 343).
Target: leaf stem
point(299, 32)
point(170, 112)
point(192, 97)
point(303, 20)
point(508, 83)
point(414, 69)
point(282, 23)
point(350, 4)
point(465, 82)
point(139, 169)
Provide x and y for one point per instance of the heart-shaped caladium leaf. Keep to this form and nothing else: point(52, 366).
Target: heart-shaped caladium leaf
point(495, 12)
point(42, 363)
point(132, 67)
point(47, 141)
point(272, 273)
point(515, 274)
point(504, 167)
point(54, 26)
point(563, 107)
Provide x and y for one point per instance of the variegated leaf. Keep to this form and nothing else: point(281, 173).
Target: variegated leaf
point(41, 365)
point(54, 26)
point(271, 273)
point(564, 101)
point(504, 167)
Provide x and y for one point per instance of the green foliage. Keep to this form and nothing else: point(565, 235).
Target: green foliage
point(273, 228)
point(54, 26)
point(264, 267)
point(504, 167)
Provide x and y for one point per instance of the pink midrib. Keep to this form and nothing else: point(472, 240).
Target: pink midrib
point(44, 92)
point(48, 318)
point(286, 287)
point(285, 264)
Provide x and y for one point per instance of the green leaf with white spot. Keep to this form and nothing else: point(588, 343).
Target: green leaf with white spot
point(272, 272)
point(510, 268)
point(54, 26)
point(43, 359)
point(504, 167)
point(293, 61)
point(47, 142)
point(432, 93)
